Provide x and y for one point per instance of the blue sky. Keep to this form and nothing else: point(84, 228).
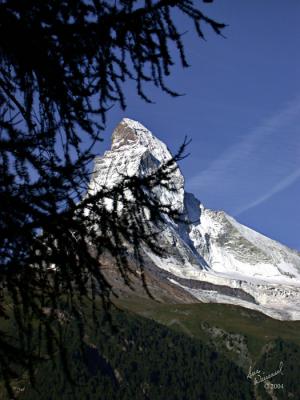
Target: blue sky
point(241, 109)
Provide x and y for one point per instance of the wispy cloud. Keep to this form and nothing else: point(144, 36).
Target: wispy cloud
point(283, 184)
point(263, 163)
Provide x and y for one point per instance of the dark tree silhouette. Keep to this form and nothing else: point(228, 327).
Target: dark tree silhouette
point(63, 64)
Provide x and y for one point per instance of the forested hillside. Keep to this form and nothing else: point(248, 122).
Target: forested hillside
point(140, 360)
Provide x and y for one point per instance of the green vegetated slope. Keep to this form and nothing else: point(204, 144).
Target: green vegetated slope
point(140, 360)
point(247, 337)
point(172, 351)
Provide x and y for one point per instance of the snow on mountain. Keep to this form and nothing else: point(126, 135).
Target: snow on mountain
point(135, 151)
point(211, 255)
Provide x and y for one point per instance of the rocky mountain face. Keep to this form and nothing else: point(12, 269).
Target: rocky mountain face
point(211, 257)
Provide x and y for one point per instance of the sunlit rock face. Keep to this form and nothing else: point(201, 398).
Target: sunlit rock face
point(210, 255)
point(136, 152)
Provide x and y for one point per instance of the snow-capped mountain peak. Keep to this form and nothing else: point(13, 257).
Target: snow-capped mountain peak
point(211, 255)
point(136, 151)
